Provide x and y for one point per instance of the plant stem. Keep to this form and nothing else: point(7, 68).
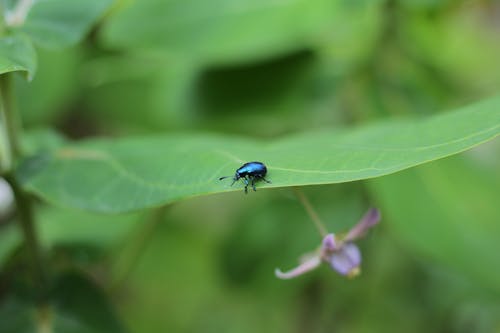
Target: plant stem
point(24, 203)
point(5, 146)
point(12, 117)
point(10, 123)
point(310, 210)
point(26, 219)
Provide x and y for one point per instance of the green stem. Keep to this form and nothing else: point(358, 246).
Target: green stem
point(5, 146)
point(310, 210)
point(13, 123)
point(24, 203)
point(26, 219)
point(9, 122)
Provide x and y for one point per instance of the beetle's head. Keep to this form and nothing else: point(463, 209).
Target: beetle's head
point(235, 178)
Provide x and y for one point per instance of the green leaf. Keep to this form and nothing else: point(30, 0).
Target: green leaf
point(448, 212)
point(76, 305)
point(82, 307)
point(17, 54)
point(16, 316)
point(119, 175)
point(44, 99)
point(10, 237)
point(58, 227)
point(461, 38)
point(61, 23)
point(159, 86)
point(220, 30)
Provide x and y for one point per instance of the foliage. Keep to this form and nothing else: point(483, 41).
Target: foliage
point(139, 107)
point(115, 168)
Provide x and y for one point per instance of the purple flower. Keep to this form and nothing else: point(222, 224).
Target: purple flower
point(339, 252)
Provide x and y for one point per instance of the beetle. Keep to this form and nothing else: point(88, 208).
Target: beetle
point(250, 173)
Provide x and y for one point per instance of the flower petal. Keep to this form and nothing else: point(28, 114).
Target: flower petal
point(304, 267)
point(371, 218)
point(329, 243)
point(346, 260)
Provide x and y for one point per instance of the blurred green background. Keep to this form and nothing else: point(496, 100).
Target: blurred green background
point(265, 68)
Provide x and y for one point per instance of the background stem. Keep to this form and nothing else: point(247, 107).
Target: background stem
point(24, 203)
point(5, 140)
point(12, 122)
point(310, 210)
point(25, 216)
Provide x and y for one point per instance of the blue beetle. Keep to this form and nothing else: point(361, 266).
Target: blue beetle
point(250, 173)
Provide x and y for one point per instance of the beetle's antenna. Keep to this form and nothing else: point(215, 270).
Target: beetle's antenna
point(234, 179)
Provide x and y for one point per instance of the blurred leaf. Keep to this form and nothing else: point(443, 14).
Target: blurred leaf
point(160, 87)
point(448, 211)
point(81, 307)
point(273, 91)
point(17, 54)
point(177, 278)
point(41, 139)
point(174, 288)
point(16, 316)
point(55, 84)
point(76, 306)
point(60, 228)
point(275, 86)
point(353, 36)
point(130, 174)
point(220, 30)
point(462, 45)
point(172, 93)
point(61, 23)
point(10, 237)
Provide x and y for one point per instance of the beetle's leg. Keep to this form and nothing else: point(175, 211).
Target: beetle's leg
point(253, 184)
point(267, 181)
point(246, 184)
